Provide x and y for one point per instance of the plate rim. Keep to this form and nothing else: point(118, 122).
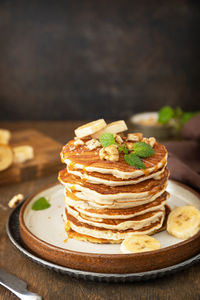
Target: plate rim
point(95, 275)
point(95, 255)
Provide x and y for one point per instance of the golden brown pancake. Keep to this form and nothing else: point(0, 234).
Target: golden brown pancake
point(149, 185)
point(81, 155)
point(126, 211)
point(86, 238)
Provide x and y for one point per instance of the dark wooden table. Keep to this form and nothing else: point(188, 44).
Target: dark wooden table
point(183, 285)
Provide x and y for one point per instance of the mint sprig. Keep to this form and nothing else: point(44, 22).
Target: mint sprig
point(165, 114)
point(133, 160)
point(107, 139)
point(41, 204)
point(143, 149)
point(123, 148)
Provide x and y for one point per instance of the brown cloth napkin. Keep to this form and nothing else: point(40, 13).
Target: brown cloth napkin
point(184, 156)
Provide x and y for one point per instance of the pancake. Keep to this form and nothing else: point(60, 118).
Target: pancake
point(89, 160)
point(75, 198)
point(111, 234)
point(123, 213)
point(139, 190)
point(110, 180)
point(136, 222)
point(86, 238)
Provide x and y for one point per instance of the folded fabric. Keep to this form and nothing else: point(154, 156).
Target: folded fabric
point(184, 156)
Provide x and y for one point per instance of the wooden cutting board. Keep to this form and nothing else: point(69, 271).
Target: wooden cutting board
point(46, 157)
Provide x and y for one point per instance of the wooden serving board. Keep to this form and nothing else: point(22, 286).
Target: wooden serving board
point(46, 157)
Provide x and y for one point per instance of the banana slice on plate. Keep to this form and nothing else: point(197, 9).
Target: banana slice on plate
point(114, 127)
point(184, 222)
point(6, 157)
point(90, 128)
point(4, 136)
point(139, 243)
point(23, 153)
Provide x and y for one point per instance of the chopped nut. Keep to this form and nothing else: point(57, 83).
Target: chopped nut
point(118, 139)
point(15, 200)
point(93, 144)
point(78, 142)
point(109, 153)
point(129, 145)
point(150, 141)
point(135, 137)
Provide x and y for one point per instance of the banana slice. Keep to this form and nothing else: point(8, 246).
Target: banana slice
point(184, 222)
point(139, 243)
point(23, 153)
point(114, 127)
point(6, 157)
point(90, 128)
point(4, 136)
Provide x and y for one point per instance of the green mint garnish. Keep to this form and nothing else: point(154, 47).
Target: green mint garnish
point(133, 160)
point(107, 139)
point(165, 114)
point(142, 149)
point(187, 116)
point(41, 204)
point(123, 148)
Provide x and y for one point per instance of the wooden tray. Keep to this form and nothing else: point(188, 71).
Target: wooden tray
point(43, 233)
point(45, 162)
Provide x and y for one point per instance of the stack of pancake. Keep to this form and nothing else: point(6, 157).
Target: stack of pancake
point(106, 200)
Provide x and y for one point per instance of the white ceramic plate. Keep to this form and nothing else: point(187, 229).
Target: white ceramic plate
point(48, 225)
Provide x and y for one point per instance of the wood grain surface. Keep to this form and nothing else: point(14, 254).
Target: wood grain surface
point(49, 284)
point(46, 157)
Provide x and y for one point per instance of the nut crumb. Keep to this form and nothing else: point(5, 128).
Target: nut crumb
point(135, 137)
point(118, 139)
point(150, 141)
point(15, 200)
point(93, 144)
point(78, 142)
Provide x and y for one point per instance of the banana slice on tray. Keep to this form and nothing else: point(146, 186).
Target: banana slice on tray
point(139, 243)
point(114, 127)
point(4, 136)
point(23, 153)
point(184, 222)
point(90, 128)
point(6, 156)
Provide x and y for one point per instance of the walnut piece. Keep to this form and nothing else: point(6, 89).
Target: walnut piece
point(118, 139)
point(93, 144)
point(15, 200)
point(78, 142)
point(129, 145)
point(135, 137)
point(109, 153)
point(151, 141)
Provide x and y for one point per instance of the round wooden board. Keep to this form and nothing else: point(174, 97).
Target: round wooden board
point(37, 234)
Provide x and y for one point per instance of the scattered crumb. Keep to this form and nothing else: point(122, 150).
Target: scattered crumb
point(15, 200)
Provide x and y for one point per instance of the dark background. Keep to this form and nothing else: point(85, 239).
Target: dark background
point(64, 60)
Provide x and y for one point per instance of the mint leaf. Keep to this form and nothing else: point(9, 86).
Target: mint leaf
point(133, 160)
point(123, 148)
point(178, 113)
point(142, 149)
point(187, 116)
point(41, 204)
point(107, 139)
point(165, 114)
